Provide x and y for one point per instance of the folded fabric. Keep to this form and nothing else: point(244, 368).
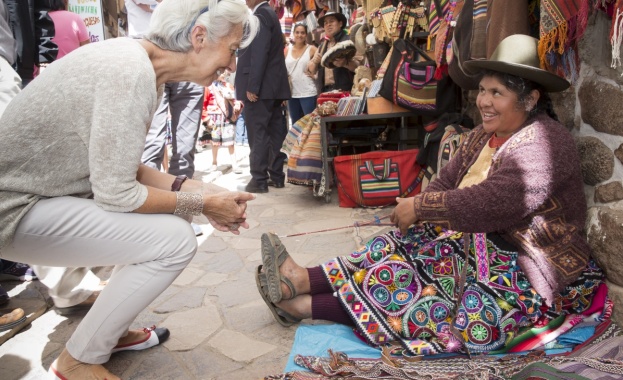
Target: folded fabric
point(315, 340)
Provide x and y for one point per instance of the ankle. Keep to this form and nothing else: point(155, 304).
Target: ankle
point(132, 337)
point(69, 368)
point(297, 275)
point(299, 307)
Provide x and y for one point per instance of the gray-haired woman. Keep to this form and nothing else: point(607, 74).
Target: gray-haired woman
point(73, 191)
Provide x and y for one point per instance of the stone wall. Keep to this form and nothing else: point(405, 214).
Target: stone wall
point(593, 110)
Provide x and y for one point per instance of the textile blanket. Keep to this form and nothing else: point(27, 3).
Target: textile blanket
point(562, 24)
point(303, 147)
point(590, 350)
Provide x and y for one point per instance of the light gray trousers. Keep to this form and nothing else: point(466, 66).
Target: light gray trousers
point(150, 250)
point(67, 286)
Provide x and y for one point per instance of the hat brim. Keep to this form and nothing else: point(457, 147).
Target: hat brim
point(550, 82)
point(338, 16)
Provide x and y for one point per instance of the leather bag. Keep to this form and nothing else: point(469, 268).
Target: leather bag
point(410, 82)
point(377, 178)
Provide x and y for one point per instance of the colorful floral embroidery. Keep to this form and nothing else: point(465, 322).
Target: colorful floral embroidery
point(403, 288)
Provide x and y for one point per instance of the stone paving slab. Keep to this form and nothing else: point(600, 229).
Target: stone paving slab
point(220, 326)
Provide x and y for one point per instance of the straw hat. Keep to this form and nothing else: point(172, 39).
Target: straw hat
point(517, 55)
point(339, 16)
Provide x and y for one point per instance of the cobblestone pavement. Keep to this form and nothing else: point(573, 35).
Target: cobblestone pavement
point(220, 326)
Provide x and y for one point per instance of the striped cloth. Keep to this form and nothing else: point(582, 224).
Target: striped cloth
point(303, 147)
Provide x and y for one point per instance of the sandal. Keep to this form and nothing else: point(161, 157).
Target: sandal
point(280, 315)
point(274, 253)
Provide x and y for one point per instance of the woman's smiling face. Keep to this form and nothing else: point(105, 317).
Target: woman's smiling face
point(300, 34)
point(216, 57)
point(499, 107)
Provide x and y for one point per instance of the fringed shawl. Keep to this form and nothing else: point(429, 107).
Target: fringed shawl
point(562, 24)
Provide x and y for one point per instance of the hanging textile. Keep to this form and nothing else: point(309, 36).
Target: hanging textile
point(562, 24)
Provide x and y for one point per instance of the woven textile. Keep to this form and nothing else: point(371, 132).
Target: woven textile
point(562, 24)
point(303, 147)
point(404, 288)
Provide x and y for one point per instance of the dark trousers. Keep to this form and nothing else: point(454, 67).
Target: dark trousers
point(266, 127)
point(184, 101)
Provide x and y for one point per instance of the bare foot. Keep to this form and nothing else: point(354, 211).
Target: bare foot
point(133, 337)
point(299, 307)
point(66, 367)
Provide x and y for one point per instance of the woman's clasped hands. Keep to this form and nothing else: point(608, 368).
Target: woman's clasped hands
point(226, 210)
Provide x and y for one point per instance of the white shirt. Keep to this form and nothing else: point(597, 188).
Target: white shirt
point(138, 19)
point(302, 85)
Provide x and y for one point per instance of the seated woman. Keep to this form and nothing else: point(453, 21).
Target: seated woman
point(513, 194)
point(73, 192)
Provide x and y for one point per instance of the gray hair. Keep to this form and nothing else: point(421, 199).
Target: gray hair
point(173, 20)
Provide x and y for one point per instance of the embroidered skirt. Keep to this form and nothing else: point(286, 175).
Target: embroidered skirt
point(223, 135)
point(404, 289)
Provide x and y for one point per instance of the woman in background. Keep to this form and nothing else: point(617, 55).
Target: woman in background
point(223, 110)
point(304, 91)
point(69, 30)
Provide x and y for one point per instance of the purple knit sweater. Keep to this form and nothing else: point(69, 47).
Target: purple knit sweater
point(533, 196)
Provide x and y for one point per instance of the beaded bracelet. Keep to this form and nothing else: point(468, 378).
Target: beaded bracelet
point(188, 203)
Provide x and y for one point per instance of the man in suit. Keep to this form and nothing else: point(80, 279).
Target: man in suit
point(262, 84)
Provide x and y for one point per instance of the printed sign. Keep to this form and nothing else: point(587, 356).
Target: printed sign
point(91, 13)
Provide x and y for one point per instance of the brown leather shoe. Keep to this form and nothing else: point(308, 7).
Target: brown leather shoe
point(12, 319)
point(65, 367)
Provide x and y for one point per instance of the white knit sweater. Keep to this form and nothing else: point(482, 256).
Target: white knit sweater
point(78, 130)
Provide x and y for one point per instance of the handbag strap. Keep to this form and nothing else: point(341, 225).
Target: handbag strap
point(408, 44)
point(384, 173)
point(299, 58)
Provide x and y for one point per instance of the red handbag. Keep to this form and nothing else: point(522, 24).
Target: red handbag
point(376, 179)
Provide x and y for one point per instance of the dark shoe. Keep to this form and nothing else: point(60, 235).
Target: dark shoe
point(16, 271)
point(156, 335)
point(252, 187)
point(280, 315)
point(4, 296)
point(12, 319)
point(277, 185)
point(274, 253)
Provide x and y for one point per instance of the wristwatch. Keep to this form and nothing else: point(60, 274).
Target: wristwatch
point(177, 184)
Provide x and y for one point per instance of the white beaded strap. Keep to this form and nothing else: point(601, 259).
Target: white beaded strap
point(188, 203)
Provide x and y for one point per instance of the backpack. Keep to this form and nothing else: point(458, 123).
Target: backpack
point(441, 143)
point(452, 138)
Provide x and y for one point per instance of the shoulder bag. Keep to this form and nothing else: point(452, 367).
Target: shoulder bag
point(410, 82)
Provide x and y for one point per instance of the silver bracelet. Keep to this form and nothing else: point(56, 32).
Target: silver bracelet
point(188, 203)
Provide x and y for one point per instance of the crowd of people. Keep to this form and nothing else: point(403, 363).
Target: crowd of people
point(501, 223)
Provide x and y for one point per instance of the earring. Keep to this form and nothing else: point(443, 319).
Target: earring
point(219, 72)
